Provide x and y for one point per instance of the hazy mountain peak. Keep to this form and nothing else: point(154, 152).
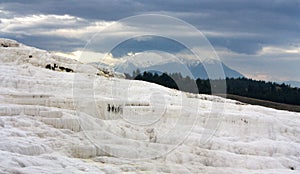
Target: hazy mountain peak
point(166, 62)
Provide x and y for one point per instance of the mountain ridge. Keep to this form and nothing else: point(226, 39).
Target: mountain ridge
point(187, 67)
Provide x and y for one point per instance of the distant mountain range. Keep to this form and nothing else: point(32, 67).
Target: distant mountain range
point(193, 68)
point(198, 70)
point(293, 83)
point(160, 54)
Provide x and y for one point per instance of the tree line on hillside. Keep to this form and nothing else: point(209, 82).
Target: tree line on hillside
point(258, 89)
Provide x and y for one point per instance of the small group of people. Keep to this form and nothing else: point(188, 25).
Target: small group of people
point(115, 109)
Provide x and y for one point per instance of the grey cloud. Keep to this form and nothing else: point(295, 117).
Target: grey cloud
point(49, 42)
point(240, 45)
point(275, 22)
point(274, 67)
point(90, 9)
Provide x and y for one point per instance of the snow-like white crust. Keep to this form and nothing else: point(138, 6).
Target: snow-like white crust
point(40, 131)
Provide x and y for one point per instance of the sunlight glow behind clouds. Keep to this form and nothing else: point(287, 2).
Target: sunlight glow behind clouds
point(277, 50)
point(60, 25)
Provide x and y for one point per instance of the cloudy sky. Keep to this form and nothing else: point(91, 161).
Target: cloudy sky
point(260, 39)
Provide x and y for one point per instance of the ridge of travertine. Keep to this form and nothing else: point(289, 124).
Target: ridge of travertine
point(41, 132)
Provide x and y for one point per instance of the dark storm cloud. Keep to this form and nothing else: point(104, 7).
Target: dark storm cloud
point(270, 22)
point(274, 22)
